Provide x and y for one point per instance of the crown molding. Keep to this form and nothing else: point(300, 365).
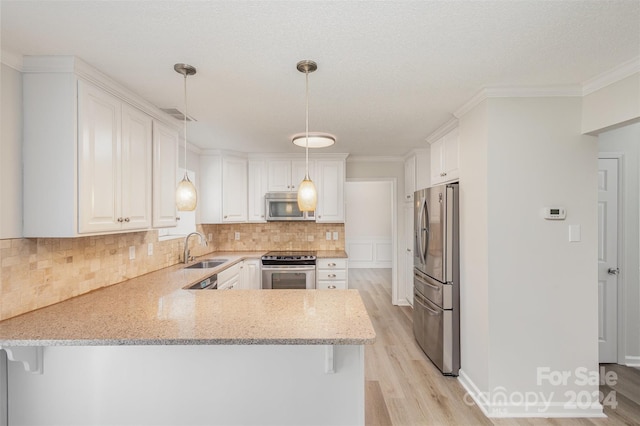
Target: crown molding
point(414, 151)
point(442, 130)
point(375, 159)
point(518, 92)
point(11, 59)
point(614, 75)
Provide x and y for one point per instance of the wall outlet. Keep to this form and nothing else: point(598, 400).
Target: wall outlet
point(210, 237)
point(335, 235)
point(132, 252)
point(150, 249)
point(328, 236)
point(309, 238)
point(237, 236)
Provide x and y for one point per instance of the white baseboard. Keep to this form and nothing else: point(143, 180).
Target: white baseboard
point(632, 361)
point(495, 405)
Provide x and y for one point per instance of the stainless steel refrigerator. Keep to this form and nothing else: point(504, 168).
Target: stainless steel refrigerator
point(436, 276)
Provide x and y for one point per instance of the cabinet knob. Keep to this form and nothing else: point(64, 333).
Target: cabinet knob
point(331, 264)
point(444, 174)
point(331, 287)
point(408, 196)
point(261, 215)
point(126, 219)
point(225, 217)
point(120, 219)
point(177, 217)
point(332, 275)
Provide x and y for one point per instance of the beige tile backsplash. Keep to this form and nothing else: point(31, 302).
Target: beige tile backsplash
point(37, 272)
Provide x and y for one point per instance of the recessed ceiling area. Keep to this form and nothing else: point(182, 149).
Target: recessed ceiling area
point(389, 72)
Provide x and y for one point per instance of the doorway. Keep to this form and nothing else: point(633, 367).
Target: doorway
point(370, 231)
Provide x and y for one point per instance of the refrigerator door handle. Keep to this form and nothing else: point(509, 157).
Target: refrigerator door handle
point(423, 303)
point(424, 229)
point(428, 284)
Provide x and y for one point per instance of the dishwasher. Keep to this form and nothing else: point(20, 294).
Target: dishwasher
point(209, 283)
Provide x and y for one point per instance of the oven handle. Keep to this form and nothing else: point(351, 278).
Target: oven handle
point(288, 268)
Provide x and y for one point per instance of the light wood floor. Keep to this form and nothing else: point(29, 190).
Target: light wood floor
point(403, 387)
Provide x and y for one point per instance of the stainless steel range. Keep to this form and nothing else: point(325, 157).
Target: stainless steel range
point(289, 270)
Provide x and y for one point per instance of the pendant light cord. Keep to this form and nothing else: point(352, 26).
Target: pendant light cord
point(185, 127)
point(306, 74)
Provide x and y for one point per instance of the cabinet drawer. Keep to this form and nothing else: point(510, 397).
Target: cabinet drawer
point(332, 263)
point(332, 285)
point(337, 274)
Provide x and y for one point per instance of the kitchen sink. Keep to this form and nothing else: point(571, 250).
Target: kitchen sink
point(207, 263)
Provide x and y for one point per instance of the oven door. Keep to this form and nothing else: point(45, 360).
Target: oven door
point(283, 277)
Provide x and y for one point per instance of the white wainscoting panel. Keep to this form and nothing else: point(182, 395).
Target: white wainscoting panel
point(369, 252)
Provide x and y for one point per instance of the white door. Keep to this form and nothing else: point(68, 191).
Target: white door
point(607, 260)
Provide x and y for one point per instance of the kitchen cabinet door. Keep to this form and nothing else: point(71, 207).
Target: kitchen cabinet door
point(251, 275)
point(234, 190)
point(279, 179)
point(286, 175)
point(99, 179)
point(330, 187)
point(165, 175)
point(445, 158)
point(409, 177)
point(136, 168)
point(257, 187)
point(408, 252)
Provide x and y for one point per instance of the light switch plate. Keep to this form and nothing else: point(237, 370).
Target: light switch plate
point(335, 235)
point(150, 249)
point(210, 237)
point(237, 236)
point(574, 233)
point(132, 252)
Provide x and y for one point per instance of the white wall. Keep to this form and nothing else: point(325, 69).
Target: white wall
point(474, 245)
point(368, 227)
point(626, 140)
point(542, 289)
point(11, 154)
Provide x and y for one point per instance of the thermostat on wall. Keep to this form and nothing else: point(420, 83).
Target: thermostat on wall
point(555, 213)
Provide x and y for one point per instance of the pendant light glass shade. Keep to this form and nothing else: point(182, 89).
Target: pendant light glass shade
point(307, 194)
point(186, 194)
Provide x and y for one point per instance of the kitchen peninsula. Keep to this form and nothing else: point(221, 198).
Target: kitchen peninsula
point(146, 351)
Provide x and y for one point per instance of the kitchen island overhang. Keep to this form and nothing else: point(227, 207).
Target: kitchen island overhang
point(148, 352)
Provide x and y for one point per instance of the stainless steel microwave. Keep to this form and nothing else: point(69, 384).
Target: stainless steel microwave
point(283, 206)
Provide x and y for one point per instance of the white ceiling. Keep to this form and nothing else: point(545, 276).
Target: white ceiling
point(389, 72)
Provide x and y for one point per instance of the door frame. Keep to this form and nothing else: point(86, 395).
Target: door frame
point(621, 328)
point(394, 229)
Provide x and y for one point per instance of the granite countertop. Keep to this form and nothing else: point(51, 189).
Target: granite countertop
point(154, 309)
point(330, 254)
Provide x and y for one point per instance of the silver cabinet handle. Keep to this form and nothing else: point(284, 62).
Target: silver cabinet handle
point(331, 287)
point(225, 217)
point(331, 275)
point(613, 271)
point(177, 217)
point(331, 264)
point(408, 249)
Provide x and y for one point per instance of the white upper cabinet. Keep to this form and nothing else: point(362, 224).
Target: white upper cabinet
point(257, 187)
point(87, 151)
point(286, 175)
point(234, 189)
point(223, 189)
point(330, 187)
point(416, 172)
point(165, 175)
point(445, 158)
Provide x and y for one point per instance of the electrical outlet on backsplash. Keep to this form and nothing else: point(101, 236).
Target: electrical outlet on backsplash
point(276, 236)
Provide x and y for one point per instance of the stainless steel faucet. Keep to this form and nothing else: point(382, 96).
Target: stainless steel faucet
point(185, 256)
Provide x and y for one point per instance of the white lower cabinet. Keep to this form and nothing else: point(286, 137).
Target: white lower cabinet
point(229, 279)
point(332, 274)
point(251, 276)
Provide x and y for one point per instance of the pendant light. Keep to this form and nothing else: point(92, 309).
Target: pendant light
point(307, 194)
point(186, 195)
